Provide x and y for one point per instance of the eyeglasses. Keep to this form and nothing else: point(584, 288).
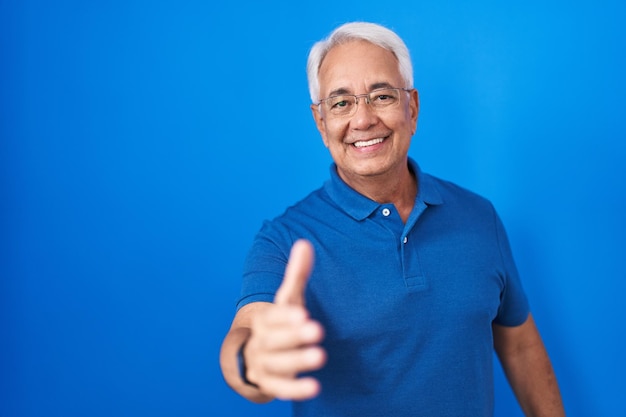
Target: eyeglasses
point(346, 104)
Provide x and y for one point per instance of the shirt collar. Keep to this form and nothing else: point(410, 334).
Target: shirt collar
point(360, 207)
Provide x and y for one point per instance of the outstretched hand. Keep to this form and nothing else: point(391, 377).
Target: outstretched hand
point(284, 340)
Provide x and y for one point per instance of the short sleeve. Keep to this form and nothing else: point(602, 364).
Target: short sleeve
point(514, 307)
point(265, 265)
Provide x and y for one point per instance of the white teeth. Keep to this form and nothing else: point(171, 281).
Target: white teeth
point(362, 144)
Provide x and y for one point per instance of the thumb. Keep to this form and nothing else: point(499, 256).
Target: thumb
point(299, 267)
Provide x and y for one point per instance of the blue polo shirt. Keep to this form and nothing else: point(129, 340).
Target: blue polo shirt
point(407, 308)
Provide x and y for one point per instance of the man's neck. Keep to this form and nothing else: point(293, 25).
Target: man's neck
point(398, 188)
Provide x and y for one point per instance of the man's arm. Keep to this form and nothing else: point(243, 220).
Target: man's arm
point(239, 334)
point(528, 369)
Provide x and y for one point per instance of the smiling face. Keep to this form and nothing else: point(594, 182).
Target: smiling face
point(371, 143)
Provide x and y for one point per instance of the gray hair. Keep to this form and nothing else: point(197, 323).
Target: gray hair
point(370, 32)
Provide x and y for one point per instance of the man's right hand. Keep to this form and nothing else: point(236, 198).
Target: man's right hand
point(284, 340)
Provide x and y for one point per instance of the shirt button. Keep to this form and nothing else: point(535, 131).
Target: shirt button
point(406, 239)
point(386, 212)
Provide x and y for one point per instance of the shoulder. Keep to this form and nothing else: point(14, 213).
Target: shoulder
point(287, 226)
point(456, 195)
point(314, 204)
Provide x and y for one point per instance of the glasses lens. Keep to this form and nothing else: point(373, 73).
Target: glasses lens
point(341, 105)
point(384, 97)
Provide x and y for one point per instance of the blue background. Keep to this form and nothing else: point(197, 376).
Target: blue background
point(143, 143)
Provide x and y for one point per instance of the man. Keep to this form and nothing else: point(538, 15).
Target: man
point(384, 292)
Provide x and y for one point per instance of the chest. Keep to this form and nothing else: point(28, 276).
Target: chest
point(383, 278)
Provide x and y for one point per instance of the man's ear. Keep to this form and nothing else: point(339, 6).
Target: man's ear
point(414, 107)
point(319, 122)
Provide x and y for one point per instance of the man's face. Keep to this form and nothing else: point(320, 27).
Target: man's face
point(371, 142)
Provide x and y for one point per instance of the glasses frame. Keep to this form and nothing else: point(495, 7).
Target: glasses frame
point(367, 97)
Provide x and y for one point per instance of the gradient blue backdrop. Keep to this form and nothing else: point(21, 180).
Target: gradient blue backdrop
point(143, 143)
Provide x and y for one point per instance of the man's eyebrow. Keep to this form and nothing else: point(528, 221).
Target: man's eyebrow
point(375, 86)
point(339, 92)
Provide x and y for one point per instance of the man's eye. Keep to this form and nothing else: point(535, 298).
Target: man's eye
point(383, 97)
point(340, 103)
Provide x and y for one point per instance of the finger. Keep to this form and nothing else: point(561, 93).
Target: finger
point(288, 336)
point(294, 362)
point(299, 267)
point(282, 315)
point(297, 389)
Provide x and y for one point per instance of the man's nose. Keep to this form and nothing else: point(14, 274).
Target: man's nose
point(365, 115)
